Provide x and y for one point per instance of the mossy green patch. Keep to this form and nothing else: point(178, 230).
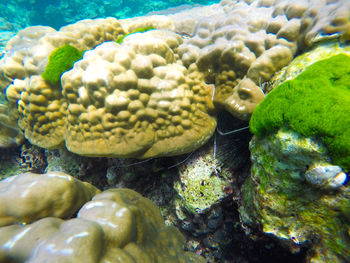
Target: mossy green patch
point(61, 60)
point(315, 104)
point(138, 30)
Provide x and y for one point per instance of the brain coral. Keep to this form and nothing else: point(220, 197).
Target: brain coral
point(117, 225)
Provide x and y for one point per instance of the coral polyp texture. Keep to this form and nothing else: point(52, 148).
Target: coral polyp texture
point(117, 225)
point(157, 93)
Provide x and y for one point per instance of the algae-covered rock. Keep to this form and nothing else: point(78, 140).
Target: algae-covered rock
point(298, 190)
point(316, 103)
point(209, 174)
point(300, 63)
point(278, 197)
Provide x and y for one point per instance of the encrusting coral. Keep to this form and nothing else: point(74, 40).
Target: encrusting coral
point(157, 93)
point(117, 225)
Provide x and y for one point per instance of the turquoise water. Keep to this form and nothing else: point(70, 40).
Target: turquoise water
point(58, 13)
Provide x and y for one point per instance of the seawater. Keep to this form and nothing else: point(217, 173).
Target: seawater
point(58, 13)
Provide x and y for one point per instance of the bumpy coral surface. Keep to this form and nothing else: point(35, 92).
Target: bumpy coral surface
point(27, 197)
point(135, 100)
point(10, 134)
point(280, 197)
point(29, 50)
point(117, 225)
point(242, 49)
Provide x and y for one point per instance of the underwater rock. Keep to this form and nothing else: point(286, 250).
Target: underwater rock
point(213, 172)
point(298, 191)
point(279, 198)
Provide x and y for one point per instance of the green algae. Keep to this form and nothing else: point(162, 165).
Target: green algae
point(315, 104)
point(60, 60)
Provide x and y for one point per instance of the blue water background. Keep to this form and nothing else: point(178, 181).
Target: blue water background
point(57, 13)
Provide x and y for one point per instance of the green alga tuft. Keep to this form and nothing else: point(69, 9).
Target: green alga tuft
point(61, 60)
point(315, 104)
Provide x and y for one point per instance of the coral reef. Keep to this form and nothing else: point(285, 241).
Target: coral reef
point(57, 14)
point(154, 100)
point(117, 225)
point(146, 94)
point(10, 134)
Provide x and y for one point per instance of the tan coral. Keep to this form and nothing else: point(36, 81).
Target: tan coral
point(119, 100)
point(42, 113)
point(118, 225)
point(27, 197)
point(254, 39)
point(40, 104)
point(135, 100)
point(10, 134)
point(28, 52)
point(245, 97)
